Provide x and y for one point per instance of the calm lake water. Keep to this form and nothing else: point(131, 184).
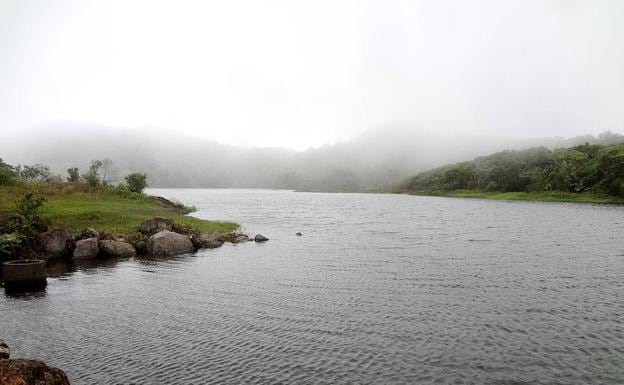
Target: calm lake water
point(380, 289)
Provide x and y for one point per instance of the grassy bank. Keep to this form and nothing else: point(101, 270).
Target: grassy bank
point(526, 196)
point(76, 208)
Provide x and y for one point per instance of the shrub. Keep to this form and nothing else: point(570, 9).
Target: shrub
point(137, 182)
point(29, 205)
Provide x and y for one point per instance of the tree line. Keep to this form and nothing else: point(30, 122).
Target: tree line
point(584, 168)
point(99, 174)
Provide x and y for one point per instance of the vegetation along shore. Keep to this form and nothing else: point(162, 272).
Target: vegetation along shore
point(86, 216)
point(590, 173)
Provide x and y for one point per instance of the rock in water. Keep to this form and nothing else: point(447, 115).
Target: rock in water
point(210, 241)
point(116, 249)
point(167, 244)
point(30, 372)
point(86, 249)
point(260, 238)
point(5, 352)
point(57, 243)
point(155, 225)
point(241, 238)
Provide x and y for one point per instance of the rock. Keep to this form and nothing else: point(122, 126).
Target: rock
point(210, 241)
point(233, 238)
point(141, 247)
point(195, 241)
point(57, 243)
point(116, 249)
point(5, 352)
point(260, 238)
point(39, 225)
point(89, 233)
point(229, 237)
point(11, 219)
point(30, 372)
point(86, 249)
point(167, 244)
point(241, 238)
point(155, 225)
point(298, 234)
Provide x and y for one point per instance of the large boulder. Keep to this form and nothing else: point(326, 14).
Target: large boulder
point(116, 249)
point(57, 243)
point(5, 352)
point(155, 225)
point(86, 249)
point(30, 372)
point(167, 243)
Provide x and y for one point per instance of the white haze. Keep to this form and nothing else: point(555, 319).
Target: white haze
point(298, 74)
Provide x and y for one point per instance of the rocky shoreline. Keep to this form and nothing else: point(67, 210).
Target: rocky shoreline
point(157, 237)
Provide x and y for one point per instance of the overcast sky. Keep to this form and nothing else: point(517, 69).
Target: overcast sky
point(303, 73)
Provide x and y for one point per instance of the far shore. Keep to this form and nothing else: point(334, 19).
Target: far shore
point(555, 196)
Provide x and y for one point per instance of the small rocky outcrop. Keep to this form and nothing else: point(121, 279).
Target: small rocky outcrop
point(260, 238)
point(116, 249)
point(5, 352)
point(234, 238)
point(57, 243)
point(210, 241)
point(86, 249)
point(30, 372)
point(156, 225)
point(167, 243)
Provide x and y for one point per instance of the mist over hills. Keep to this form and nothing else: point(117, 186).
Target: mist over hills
point(377, 159)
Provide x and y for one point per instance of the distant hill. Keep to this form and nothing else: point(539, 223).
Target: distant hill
point(378, 159)
point(596, 168)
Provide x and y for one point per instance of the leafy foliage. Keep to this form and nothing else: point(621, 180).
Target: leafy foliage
point(584, 168)
point(73, 175)
point(29, 205)
point(92, 177)
point(137, 182)
point(36, 172)
point(7, 174)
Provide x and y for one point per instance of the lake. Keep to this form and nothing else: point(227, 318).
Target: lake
point(380, 289)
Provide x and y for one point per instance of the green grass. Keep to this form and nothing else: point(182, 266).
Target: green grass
point(527, 196)
point(108, 212)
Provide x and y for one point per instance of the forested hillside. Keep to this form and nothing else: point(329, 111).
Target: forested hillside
point(584, 168)
point(376, 160)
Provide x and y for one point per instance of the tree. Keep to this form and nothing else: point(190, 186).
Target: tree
point(74, 175)
point(7, 173)
point(136, 182)
point(107, 170)
point(92, 177)
point(37, 172)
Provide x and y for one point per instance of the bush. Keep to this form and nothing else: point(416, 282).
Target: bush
point(137, 182)
point(29, 205)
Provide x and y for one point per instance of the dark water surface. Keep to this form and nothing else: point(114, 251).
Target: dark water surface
point(380, 289)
